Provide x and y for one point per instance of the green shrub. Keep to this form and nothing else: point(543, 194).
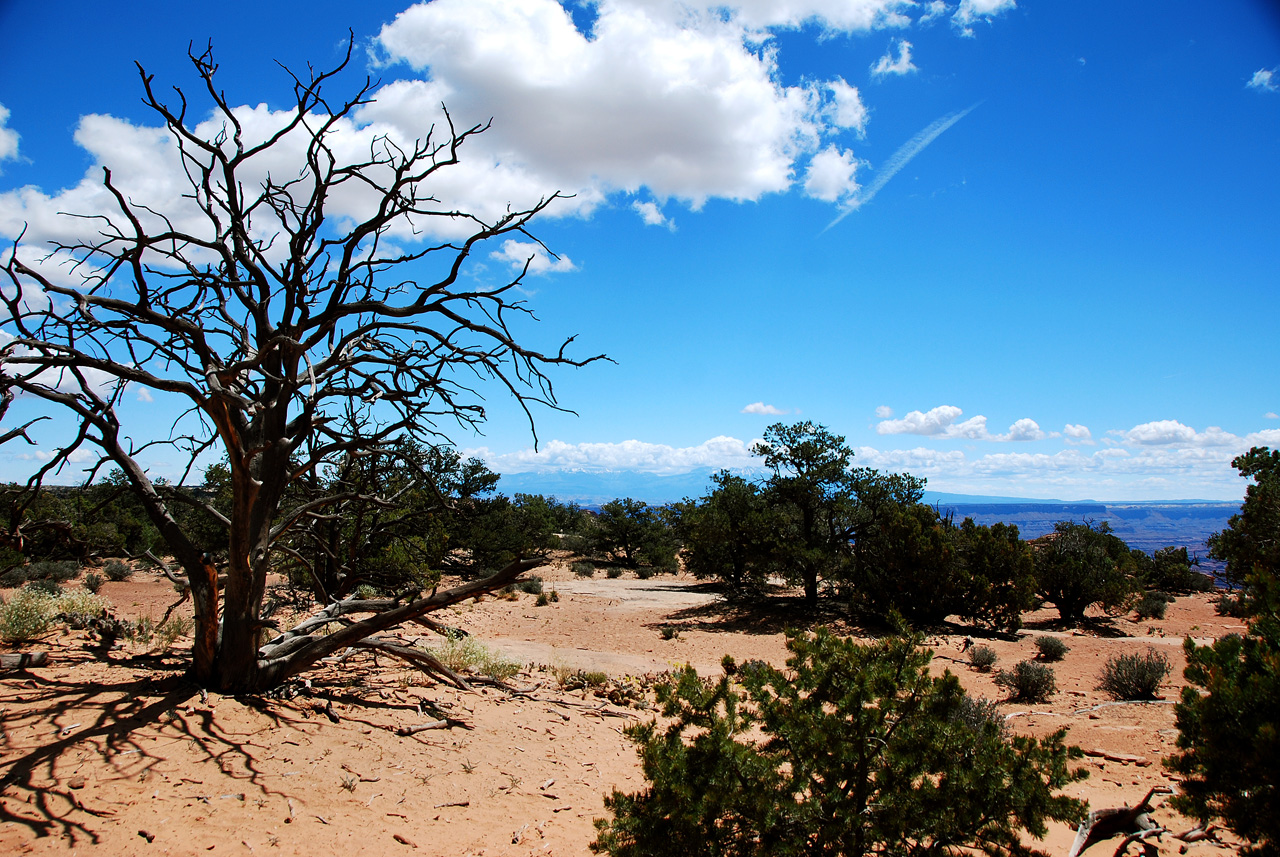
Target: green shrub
point(582, 568)
point(1051, 649)
point(45, 585)
point(645, 572)
point(976, 713)
point(856, 750)
point(42, 570)
point(1028, 681)
point(669, 632)
point(614, 572)
point(532, 586)
point(543, 600)
point(117, 571)
point(467, 654)
point(1134, 676)
point(31, 611)
point(555, 596)
point(1152, 605)
point(982, 658)
point(93, 582)
point(579, 679)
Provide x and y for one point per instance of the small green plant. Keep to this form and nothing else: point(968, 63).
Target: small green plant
point(669, 632)
point(614, 572)
point(579, 679)
point(582, 568)
point(467, 654)
point(554, 596)
point(1151, 606)
point(645, 572)
point(117, 571)
point(1134, 676)
point(365, 592)
point(532, 586)
point(1051, 649)
point(543, 600)
point(1028, 681)
point(349, 784)
point(982, 658)
point(93, 582)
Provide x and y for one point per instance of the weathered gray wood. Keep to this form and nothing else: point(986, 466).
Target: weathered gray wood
point(22, 660)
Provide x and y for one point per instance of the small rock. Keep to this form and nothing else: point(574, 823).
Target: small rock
point(76, 782)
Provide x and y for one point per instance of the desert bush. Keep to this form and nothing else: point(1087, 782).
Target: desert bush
point(1051, 649)
point(532, 585)
point(976, 713)
point(1028, 681)
point(555, 596)
point(45, 585)
point(1234, 603)
point(856, 750)
point(1134, 676)
point(582, 568)
point(1151, 606)
point(669, 632)
point(579, 679)
point(54, 572)
point(32, 611)
point(614, 572)
point(93, 582)
point(117, 571)
point(467, 654)
point(543, 600)
point(982, 658)
point(645, 572)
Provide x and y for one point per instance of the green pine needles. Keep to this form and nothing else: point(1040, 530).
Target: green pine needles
point(855, 750)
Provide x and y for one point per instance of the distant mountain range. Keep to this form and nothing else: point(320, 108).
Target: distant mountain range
point(1144, 525)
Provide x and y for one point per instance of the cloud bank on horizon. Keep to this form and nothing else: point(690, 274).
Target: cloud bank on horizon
point(1164, 459)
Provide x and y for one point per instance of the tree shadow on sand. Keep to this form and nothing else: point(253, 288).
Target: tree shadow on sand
point(116, 720)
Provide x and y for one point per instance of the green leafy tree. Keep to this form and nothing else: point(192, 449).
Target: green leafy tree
point(1229, 716)
point(908, 563)
point(1170, 570)
point(1079, 565)
point(634, 533)
point(731, 534)
point(856, 750)
point(810, 487)
point(1251, 541)
point(998, 575)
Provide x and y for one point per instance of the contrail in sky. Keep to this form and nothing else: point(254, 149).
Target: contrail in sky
point(898, 160)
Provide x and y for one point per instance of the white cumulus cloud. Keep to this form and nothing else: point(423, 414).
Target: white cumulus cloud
point(941, 422)
point(1174, 433)
point(1264, 80)
point(832, 175)
point(884, 412)
point(970, 11)
point(652, 215)
point(762, 408)
point(887, 64)
point(1078, 434)
point(519, 253)
point(9, 137)
point(846, 109)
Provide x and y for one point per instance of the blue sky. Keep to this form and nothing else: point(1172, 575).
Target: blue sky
point(1026, 249)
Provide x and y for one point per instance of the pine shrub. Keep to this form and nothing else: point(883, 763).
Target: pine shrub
point(1134, 676)
point(855, 750)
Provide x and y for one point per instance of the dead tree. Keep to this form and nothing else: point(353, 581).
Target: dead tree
point(276, 326)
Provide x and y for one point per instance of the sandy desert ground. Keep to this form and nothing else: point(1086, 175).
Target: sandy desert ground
point(116, 753)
